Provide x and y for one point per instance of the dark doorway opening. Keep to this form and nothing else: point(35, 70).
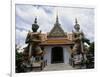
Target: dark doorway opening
point(57, 55)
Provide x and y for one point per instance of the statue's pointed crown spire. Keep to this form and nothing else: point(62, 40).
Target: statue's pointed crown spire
point(35, 21)
point(35, 26)
point(76, 20)
point(77, 26)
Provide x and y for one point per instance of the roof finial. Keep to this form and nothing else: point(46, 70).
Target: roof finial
point(57, 18)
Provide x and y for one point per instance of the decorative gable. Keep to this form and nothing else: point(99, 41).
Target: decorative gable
point(57, 31)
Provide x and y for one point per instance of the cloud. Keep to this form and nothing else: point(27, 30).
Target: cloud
point(46, 16)
point(20, 36)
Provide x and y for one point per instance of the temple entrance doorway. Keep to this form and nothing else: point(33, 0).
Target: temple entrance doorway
point(57, 55)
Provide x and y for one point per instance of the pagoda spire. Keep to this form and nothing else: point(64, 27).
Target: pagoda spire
point(57, 19)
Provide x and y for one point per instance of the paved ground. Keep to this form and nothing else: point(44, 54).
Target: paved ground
point(58, 66)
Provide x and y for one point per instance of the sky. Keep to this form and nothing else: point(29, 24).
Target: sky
point(46, 18)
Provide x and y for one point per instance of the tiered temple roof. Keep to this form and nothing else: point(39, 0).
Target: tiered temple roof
point(57, 36)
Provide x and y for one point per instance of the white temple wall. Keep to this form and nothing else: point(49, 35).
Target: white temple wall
point(48, 50)
point(66, 53)
point(47, 56)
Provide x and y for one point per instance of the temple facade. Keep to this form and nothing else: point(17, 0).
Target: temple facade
point(57, 45)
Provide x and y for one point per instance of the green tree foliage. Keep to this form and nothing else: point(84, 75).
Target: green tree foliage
point(91, 48)
point(18, 55)
point(86, 40)
point(18, 60)
point(90, 56)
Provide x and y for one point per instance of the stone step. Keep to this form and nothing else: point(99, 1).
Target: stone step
point(57, 67)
